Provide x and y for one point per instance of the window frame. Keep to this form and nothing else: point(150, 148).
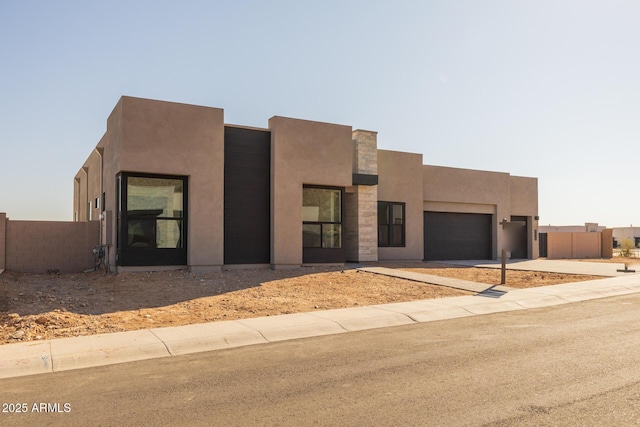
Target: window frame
point(128, 255)
point(390, 226)
point(322, 224)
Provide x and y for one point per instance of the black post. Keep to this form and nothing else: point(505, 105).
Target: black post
point(503, 276)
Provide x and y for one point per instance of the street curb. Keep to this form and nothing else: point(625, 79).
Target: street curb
point(38, 357)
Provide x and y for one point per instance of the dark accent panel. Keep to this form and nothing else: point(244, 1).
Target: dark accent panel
point(519, 238)
point(320, 255)
point(364, 179)
point(247, 177)
point(457, 236)
point(542, 241)
point(153, 257)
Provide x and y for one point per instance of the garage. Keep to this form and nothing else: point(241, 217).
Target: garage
point(457, 236)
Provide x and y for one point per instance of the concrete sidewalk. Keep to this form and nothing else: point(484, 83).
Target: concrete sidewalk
point(465, 285)
point(605, 269)
point(38, 357)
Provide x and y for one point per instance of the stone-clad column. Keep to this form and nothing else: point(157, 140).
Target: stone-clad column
point(362, 200)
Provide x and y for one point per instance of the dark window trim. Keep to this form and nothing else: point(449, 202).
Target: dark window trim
point(129, 256)
point(389, 206)
point(330, 255)
point(322, 223)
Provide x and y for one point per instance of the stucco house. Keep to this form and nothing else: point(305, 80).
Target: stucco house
point(172, 186)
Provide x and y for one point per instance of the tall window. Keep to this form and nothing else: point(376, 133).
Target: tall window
point(391, 229)
point(154, 212)
point(152, 219)
point(321, 217)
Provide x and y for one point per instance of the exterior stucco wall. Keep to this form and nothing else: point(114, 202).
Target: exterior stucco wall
point(39, 246)
point(587, 245)
point(302, 152)
point(459, 190)
point(562, 228)
point(94, 175)
point(473, 191)
point(524, 202)
point(80, 198)
point(607, 243)
point(563, 245)
point(160, 137)
point(524, 195)
point(400, 180)
point(559, 245)
point(3, 240)
point(111, 144)
point(185, 140)
point(76, 197)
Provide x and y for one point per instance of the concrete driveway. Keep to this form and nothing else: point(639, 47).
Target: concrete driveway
point(606, 269)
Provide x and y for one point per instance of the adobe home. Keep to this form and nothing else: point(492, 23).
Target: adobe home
point(172, 186)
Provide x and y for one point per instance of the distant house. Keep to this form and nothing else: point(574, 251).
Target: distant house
point(632, 233)
point(576, 241)
point(173, 185)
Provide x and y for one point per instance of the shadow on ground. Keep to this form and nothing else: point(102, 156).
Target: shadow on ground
point(96, 293)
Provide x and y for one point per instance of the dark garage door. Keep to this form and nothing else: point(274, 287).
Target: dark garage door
point(457, 236)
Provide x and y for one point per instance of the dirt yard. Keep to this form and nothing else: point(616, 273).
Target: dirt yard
point(36, 307)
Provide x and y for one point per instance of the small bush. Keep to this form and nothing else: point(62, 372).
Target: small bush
point(625, 247)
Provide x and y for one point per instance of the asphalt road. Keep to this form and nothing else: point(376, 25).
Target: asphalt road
point(575, 364)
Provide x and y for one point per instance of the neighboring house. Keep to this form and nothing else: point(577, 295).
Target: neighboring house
point(173, 185)
point(620, 233)
point(576, 241)
point(588, 227)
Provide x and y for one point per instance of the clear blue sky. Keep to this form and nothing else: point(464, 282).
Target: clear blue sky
point(545, 88)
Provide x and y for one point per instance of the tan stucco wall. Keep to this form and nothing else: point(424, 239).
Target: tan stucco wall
point(3, 240)
point(161, 137)
point(177, 139)
point(607, 243)
point(38, 246)
point(302, 152)
point(448, 189)
point(185, 140)
point(524, 195)
point(76, 198)
point(80, 198)
point(93, 171)
point(562, 245)
point(562, 228)
point(559, 245)
point(111, 144)
point(524, 202)
point(462, 188)
point(587, 245)
point(400, 180)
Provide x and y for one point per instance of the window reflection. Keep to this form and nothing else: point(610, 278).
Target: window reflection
point(322, 217)
point(154, 210)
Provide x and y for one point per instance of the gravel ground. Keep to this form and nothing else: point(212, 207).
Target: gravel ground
point(46, 306)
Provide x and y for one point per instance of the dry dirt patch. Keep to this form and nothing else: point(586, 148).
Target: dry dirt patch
point(492, 276)
point(34, 307)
